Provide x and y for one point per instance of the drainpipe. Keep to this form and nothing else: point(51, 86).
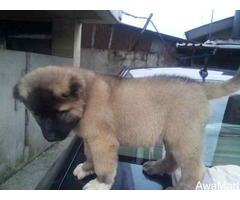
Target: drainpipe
point(236, 25)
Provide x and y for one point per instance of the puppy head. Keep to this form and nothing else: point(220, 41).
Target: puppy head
point(56, 98)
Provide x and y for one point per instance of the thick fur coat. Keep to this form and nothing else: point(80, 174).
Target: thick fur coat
point(108, 111)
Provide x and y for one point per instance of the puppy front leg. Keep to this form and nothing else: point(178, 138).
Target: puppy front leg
point(86, 168)
point(104, 153)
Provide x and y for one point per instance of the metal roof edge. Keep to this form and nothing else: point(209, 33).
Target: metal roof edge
point(205, 27)
point(155, 33)
point(110, 16)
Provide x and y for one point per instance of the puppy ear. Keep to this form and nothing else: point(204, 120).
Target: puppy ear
point(76, 88)
point(16, 94)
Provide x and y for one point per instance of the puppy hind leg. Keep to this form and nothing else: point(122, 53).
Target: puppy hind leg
point(192, 172)
point(187, 152)
point(161, 167)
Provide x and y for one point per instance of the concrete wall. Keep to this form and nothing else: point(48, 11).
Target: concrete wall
point(113, 61)
point(20, 136)
point(12, 115)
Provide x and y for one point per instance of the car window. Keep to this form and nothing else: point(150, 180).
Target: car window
point(222, 136)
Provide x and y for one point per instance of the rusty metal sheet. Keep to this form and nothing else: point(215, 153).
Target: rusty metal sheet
point(86, 35)
point(102, 36)
point(123, 37)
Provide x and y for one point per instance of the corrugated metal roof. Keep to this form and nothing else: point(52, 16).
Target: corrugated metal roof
point(102, 36)
point(87, 35)
point(123, 37)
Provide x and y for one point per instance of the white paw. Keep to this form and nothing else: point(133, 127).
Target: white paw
point(96, 185)
point(80, 173)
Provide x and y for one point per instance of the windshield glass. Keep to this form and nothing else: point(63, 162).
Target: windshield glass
point(222, 133)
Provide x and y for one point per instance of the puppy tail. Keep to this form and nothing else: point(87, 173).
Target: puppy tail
point(217, 90)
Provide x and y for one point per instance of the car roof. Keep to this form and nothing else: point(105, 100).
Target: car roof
point(129, 175)
point(213, 74)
